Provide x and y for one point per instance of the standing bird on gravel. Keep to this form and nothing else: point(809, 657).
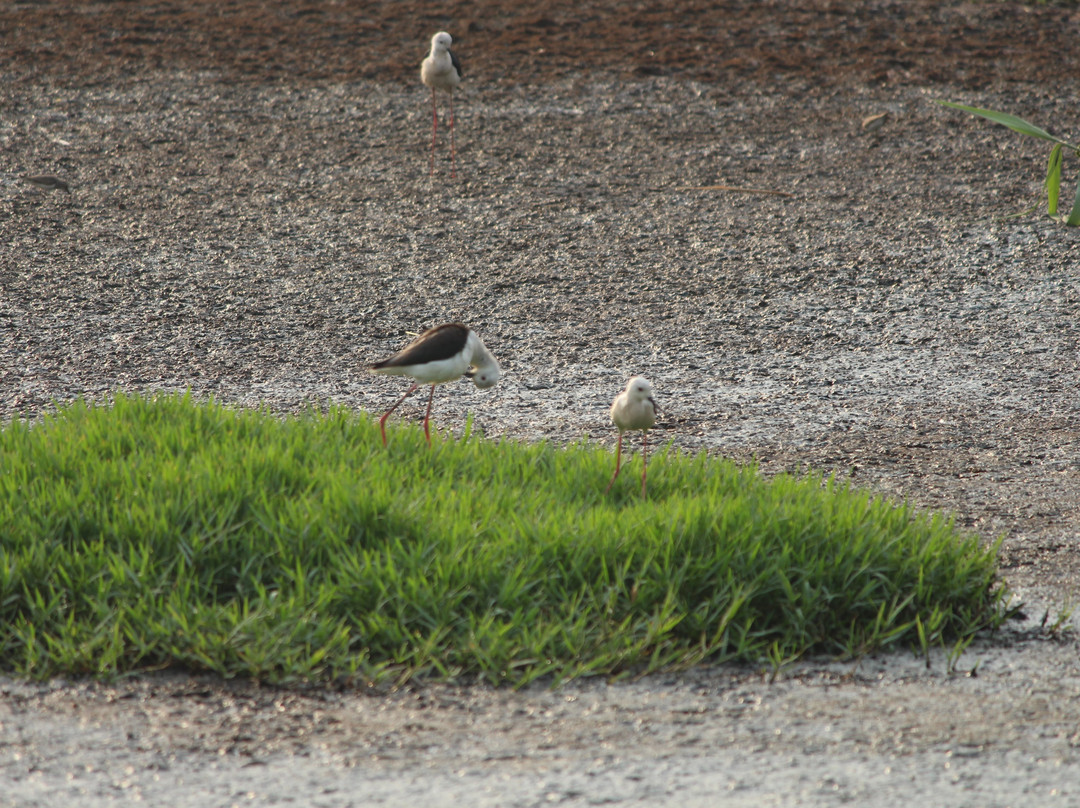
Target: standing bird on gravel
point(441, 70)
point(441, 354)
point(634, 408)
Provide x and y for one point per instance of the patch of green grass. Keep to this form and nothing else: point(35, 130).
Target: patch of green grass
point(163, 532)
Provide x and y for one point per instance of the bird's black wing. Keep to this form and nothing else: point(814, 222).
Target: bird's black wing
point(456, 63)
point(441, 342)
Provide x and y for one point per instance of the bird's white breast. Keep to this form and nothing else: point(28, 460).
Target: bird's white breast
point(436, 372)
point(626, 414)
point(437, 71)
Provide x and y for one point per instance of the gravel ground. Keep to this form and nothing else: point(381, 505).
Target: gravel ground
point(871, 307)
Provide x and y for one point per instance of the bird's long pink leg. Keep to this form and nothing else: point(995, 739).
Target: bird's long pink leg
point(382, 421)
point(644, 458)
point(434, 129)
point(453, 154)
point(618, 456)
point(427, 417)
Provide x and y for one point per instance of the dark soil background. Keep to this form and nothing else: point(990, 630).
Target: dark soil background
point(970, 45)
point(251, 217)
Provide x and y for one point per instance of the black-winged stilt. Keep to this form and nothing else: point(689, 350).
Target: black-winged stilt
point(441, 70)
point(634, 408)
point(441, 354)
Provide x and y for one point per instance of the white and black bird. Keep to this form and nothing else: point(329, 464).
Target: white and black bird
point(634, 408)
point(441, 70)
point(439, 355)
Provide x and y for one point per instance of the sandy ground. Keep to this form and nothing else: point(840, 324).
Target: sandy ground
point(1002, 729)
point(256, 222)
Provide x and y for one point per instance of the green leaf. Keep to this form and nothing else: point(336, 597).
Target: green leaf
point(1074, 217)
point(1053, 180)
point(1011, 121)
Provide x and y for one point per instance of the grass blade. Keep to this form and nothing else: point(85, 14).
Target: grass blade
point(1005, 119)
point(1074, 217)
point(1053, 180)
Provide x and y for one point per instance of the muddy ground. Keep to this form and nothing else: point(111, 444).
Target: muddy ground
point(250, 217)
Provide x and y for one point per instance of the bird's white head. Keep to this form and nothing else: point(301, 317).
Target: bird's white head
point(441, 42)
point(484, 368)
point(639, 389)
point(486, 376)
